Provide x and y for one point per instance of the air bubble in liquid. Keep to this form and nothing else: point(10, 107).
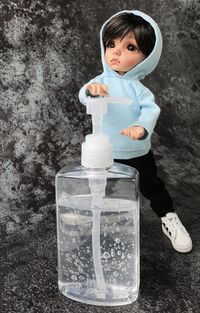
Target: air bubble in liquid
point(80, 270)
point(112, 252)
point(106, 255)
point(117, 240)
point(123, 256)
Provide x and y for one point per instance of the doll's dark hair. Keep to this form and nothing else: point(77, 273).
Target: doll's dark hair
point(122, 24)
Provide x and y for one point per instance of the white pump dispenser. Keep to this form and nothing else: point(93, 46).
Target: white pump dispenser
point(97, 149)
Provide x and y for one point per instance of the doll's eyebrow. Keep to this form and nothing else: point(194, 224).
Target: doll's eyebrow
point(131, 38)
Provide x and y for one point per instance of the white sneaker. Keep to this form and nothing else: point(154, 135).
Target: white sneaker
point(176, 232)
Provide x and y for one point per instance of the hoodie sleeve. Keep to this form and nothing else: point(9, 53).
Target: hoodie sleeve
point(83, 93)
point(149, 111)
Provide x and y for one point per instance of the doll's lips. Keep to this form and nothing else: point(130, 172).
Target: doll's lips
point(114, 61)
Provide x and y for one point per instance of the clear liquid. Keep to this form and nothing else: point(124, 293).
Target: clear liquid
point(119, 250)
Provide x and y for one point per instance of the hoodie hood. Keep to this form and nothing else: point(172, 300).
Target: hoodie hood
point(147, 65)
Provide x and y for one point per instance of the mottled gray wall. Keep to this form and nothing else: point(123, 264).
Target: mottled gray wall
point(48, 50)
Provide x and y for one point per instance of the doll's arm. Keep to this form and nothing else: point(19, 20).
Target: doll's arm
point(149, 111)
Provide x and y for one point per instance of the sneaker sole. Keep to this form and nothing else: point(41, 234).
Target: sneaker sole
point(177, 248)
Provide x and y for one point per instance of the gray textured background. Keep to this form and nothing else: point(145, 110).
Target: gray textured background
point(48, 50)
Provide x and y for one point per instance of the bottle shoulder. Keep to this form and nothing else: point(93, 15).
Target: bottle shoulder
point(117, 170)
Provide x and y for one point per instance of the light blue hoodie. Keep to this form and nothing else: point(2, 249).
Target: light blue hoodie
point(143, 111)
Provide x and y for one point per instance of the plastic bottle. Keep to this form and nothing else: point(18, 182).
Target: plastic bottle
point(98, 222)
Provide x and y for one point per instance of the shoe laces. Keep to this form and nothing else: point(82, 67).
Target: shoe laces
point(174, 224)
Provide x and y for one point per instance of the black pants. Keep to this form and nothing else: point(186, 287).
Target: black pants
point(151, 186)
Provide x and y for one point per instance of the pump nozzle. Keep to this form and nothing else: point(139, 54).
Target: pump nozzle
point(97, 107)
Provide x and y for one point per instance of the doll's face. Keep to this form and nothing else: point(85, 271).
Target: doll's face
point(122, 55)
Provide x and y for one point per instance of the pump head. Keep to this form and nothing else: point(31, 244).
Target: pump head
point(97, 149)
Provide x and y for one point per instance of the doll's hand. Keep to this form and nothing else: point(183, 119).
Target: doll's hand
point(134, 132)
point(97, 89)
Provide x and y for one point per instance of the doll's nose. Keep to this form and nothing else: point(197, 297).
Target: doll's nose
point(116, 52)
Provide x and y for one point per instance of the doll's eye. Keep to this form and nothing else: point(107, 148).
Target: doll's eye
point(131, 47)
point(110, 44)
